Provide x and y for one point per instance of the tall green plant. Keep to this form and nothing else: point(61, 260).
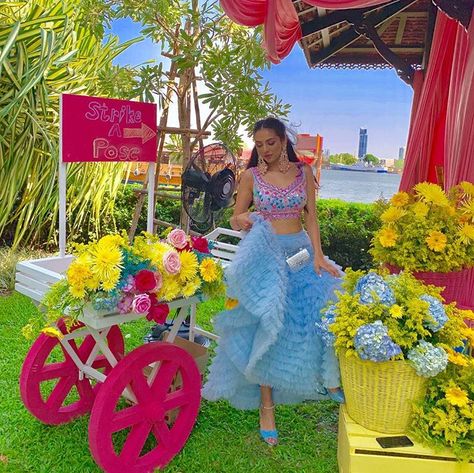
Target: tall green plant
point(49, 47)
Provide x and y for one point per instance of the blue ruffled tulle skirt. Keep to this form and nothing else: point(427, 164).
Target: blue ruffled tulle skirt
point(272, 337)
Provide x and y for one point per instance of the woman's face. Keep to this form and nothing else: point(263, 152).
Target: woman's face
point(268, 144)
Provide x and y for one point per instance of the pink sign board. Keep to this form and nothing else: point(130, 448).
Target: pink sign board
point(99, 129)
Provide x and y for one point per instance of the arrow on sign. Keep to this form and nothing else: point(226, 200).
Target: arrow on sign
point(145, 133)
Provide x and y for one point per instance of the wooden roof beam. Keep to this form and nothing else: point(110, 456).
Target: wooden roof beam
point(404, 70)
point(335, 17)
point(351, 35)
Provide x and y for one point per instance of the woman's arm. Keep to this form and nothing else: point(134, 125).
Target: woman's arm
point(240, 219)
point(312, 226)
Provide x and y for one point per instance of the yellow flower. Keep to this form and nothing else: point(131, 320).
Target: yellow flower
point(27, 331)
point(432, 193)
point(52, 332)
point(191, 287)
point(171, 288)
point(112, 240)
point(231, 303)
point(78, 272)
point(466, 233)
point(468, 209)
point(457, 358)
point(112, 280)
point(78, 292)
point(208, 270)
point(399, 199)
point(189, 265)
point(457, 397)
point(392, 214)
point(467, 187)
point(420, 209)
point(106, 263)
point(396, 311)
point(388, 237)
point(436, 240)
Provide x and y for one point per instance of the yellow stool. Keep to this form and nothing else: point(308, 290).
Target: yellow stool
point(359, 452)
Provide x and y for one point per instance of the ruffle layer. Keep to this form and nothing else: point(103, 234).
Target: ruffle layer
point(271, 337)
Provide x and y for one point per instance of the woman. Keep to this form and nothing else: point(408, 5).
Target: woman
point(271, 349)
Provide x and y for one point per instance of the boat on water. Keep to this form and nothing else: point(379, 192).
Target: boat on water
point(359, 166)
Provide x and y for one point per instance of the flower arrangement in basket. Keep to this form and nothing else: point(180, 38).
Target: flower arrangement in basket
point(445, 417)
point(110, 275)
point(391, 332)
point(429, 230)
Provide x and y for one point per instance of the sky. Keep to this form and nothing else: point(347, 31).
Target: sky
point(334, 103)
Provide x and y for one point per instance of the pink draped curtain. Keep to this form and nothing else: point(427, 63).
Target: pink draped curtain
point(281, 24)
point(425, 146)
point(459, 143)
point(441, 133)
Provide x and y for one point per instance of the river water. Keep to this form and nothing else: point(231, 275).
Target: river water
point(354, 186)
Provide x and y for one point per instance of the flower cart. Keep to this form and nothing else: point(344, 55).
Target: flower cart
point(91, 373)
point(140, 417)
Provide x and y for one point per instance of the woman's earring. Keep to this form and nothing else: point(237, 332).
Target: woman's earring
point(262, 165)
point(284, 164)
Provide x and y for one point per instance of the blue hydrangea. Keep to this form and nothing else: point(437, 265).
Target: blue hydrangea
point(328, 318)
point(427, 359)
point(372, 288)
point(436, 311)
point(106, 300)
point(131, 265)
point(373, 343)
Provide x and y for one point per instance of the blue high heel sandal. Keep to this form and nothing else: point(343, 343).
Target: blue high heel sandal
point(337, 396)
point(270, 437)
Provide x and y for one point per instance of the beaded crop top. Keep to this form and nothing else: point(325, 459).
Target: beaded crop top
point(274, 202)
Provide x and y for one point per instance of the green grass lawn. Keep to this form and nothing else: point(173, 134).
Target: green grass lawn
point(223, 440)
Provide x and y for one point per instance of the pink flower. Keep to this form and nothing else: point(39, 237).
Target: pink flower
point(159, 281)
point(171, 262)
point(177, 238)
point(141, 303)
point(125, 304)
point(145, 280)
point(200, 244)
point(158, 313)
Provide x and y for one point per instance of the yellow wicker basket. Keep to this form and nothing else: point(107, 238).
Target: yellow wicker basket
point(379, 396)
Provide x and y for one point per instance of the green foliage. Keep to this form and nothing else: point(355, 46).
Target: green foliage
point(48, 48)
point(227, 56)
point(342, 158)
point(371, 159)
point(444, 421)
point(346, 231)
point(8, 260)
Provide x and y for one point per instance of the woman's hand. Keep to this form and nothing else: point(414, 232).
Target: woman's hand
point(322, 264)
point(243, 221)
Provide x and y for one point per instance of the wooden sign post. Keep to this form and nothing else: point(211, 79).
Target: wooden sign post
point(95, 129)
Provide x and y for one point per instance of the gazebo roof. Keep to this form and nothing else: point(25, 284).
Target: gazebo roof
point(329, 38)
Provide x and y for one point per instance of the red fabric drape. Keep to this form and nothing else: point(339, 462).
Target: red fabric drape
point(459, 144)
point(427, 122)
point(281, 25)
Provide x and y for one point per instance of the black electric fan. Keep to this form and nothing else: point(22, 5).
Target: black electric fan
point(208, 185)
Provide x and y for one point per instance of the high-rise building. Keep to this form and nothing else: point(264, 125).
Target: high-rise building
point(363, 136)
point(401, 152)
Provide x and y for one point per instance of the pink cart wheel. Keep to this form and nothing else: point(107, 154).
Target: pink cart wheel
point(49, 375)
point(139, 437)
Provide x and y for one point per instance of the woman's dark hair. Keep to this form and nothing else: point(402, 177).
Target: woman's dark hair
point(279, 128)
